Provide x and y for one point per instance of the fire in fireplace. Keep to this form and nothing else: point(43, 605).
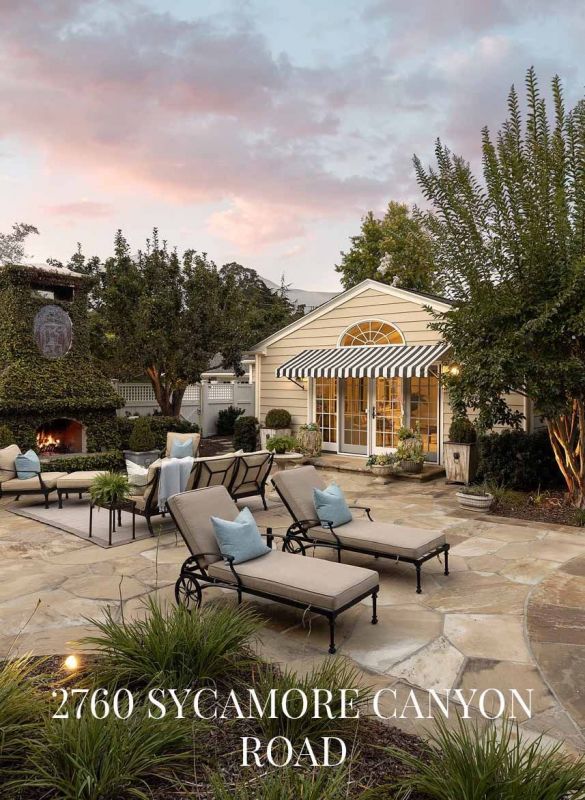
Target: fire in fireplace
point(60, 436)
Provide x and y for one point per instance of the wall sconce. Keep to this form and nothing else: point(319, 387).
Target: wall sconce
point(452, 370)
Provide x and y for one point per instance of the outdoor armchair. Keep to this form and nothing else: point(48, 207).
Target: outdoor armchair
point(324, 587)
point(173, 436)
point(251, 474)
point(146, 505)
point(380, 539)
point(213, 471)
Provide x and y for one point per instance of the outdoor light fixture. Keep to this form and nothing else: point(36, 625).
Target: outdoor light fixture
point(71, 663)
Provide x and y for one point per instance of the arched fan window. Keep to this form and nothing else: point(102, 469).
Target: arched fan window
point(371, 332)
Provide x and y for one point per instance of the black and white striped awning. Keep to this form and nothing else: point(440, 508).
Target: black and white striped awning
point(378, 361)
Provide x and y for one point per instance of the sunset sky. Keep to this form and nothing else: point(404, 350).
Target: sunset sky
point(258, 131)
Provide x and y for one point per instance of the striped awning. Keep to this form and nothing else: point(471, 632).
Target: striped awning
point(377, 361)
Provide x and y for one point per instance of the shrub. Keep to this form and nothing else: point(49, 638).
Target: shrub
point(335, 674)
point(518, 460)
point(462, 431)
point(159, 426)
point(246, 434)
point(110, 758)
point(471, 764)
point(142, 437)
point(19, 713)
point(287, 784)
point(6, 436)
point(109, 488)
point(382, 460)
point(112, 461)
point(281, 444)
point(226, 419)
point(173, 647)
point(278, 418)
point(475, 490)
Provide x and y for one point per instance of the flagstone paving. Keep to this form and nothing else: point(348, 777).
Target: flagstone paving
point(511, 615)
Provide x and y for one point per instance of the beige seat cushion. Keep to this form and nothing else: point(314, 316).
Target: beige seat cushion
point(26, 485)
point(296, 487)
point(307, 580)
point(384, 537)
point(82, 479)
point(192, 512)
point(182, 437)
point(7, 457)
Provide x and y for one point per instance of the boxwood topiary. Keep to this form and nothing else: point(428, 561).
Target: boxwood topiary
point(462, 431)
point(278, 418)
point(142, 438)
point(246, 434)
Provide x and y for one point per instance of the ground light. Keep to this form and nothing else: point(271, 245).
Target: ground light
point(71, 663)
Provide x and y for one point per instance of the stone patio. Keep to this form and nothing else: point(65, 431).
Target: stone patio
point(510, 615)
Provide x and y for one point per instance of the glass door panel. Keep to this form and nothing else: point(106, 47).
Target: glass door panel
point(326, 410)
point(424, 408)
point(389, 413)
point(355, 415)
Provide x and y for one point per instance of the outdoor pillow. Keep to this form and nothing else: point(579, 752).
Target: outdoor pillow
point(331, 505)
point(182, 449)
point(137, 477)
point(26, 462)
point(240, 538)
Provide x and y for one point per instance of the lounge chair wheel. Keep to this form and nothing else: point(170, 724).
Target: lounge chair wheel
point(188, 592)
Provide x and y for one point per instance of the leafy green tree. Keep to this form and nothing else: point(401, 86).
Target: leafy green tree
point(12, 244)
point(395, 249)
point(511, 251)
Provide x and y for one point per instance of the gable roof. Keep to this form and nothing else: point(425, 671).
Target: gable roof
point(422, 299)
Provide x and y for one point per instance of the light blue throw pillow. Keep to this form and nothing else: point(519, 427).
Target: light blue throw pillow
point(240, 538)
point(331, 505)
point(25, 463)
point(182, 449)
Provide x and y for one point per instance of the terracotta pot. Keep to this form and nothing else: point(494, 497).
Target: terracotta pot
point(412, 467)
point(475, 502)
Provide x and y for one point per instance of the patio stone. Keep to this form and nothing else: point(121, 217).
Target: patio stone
point(486, 565)
point(556, 723)
point(470, 592)
point(528, 570)
point(477, 546)
point(436, 666)
point(564, 667)
point(108, 589)
point(488, 636)
point(547, 549)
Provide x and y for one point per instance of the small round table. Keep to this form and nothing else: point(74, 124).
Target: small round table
point(282, 460)
point(113, 508)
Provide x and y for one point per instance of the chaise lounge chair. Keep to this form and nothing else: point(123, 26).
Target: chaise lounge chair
point(379, 539)
point(322, 586)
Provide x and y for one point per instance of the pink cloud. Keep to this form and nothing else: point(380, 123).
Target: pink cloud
point(83, 208)
point(250, 225)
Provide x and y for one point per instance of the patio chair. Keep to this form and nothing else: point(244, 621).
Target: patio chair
point(324, 587)
point(146, 505)
point(172, 436)
point(43, 483)
point(213, 471)
point(379, 539)
point(251, 474)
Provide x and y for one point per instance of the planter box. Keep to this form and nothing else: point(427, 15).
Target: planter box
point(309, 443)
point(460, 462)
point(144, 459)
point(412, 467)
point(475, 502)
point(267, 433)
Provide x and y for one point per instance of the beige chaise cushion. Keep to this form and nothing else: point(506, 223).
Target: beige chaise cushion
point(26, 485)
point(310, 581)
point(296, 487)
point(7, 457)
point(384, 537)
point(182, 437)
point(82, 479)
point(192, 512)
point(253, 468)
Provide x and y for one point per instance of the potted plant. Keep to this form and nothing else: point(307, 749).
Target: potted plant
point(282, 444)
point(461, 451)
point(277, 423)
point(382, 466)
point(109, 489)
point(309, 439)
point(475, 498)
point(142, 443)
point(410, 454)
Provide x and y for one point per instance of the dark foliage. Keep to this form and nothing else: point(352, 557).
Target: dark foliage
point(518, 460)
point(226, 420)
point(462, 431)
point(6, 436)
point(246, 434)
point(278, 418)
point(142, 438)
point(110, 461)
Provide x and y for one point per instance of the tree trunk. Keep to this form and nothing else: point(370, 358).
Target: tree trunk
point(169, 394)
point(567, 437)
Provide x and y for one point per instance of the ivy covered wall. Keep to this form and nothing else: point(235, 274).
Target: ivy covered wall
point(35, 389)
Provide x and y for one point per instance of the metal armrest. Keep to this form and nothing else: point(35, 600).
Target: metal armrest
point(367, 509)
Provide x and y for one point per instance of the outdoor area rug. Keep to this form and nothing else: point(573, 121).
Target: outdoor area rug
point(74, 518)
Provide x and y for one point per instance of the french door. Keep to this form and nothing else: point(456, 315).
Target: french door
point(354, 415)
point(387, 413)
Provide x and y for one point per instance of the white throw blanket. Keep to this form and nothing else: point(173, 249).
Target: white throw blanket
point(174, 474)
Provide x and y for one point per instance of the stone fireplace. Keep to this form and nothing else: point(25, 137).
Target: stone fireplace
point(60, 436)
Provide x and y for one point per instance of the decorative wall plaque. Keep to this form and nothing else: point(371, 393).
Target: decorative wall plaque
point(53, 331)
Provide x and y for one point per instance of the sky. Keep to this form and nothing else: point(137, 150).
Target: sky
point(258, 131)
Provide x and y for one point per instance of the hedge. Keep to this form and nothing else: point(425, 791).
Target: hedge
point(518, 460)
point(226, 419)
point(246, 434)
point(111, 461)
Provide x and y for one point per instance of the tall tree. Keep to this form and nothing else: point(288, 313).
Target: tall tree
point(395, 249)
point(511, 251)
point(12, 244)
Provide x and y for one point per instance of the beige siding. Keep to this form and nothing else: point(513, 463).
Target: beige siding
point(514, 400)
point(411, 318)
